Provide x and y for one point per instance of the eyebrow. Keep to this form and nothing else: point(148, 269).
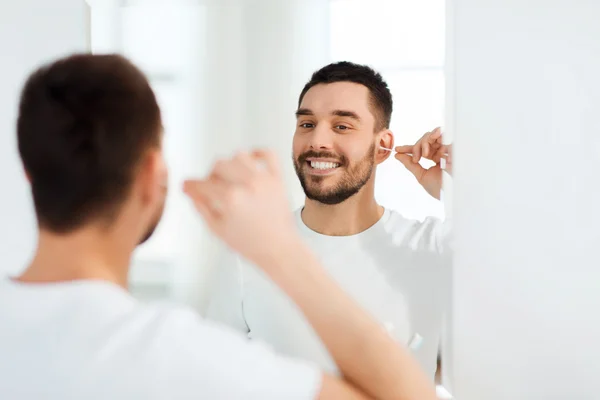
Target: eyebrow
point(304, 111)
point(344, 113)
point(339, 113)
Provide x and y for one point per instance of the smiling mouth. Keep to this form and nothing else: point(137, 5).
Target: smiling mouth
point(322, 167)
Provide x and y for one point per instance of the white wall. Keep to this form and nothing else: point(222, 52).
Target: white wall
point(526, 100)
point(31, 32)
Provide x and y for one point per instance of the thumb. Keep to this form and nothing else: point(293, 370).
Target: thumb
point(413, 167)
point(196, 191)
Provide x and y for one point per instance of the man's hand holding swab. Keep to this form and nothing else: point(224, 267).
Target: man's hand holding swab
point(429, 147)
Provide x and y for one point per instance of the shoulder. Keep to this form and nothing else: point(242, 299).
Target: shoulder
point(424, 235)
point(398, 223)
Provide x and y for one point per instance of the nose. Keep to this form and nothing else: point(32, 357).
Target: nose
point(321, 138)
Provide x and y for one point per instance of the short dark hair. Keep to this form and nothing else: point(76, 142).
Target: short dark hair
point(344, 71)
point(85, 122)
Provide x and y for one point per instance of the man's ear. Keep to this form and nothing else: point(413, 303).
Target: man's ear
point(152, 176)
point(385, 140)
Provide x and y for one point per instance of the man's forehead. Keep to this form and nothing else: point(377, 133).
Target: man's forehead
point(324, 98)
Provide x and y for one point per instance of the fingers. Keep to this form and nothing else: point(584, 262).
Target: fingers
point(413, 167)
point(192, 188)
point(426, 152)
point(204, 198)
point(441, 153)
point(211, 192)
point(237, 170)
point(268, 160)
point(435, 135)
point(426, 147)
point(214, 195)
point(245, 167)
point(417, 152)
point(431, 142)
point(404, 149)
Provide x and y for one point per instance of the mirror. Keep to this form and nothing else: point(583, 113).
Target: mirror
point(229, 77)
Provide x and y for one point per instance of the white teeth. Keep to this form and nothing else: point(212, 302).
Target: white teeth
point(323, 165)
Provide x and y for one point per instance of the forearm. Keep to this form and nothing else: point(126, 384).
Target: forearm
point(367, 356)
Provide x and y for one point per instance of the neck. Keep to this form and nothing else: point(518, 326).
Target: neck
point(88, 254)
point(350, 217)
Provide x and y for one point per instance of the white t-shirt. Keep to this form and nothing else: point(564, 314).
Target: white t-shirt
point(92, 340)
point(397, 270)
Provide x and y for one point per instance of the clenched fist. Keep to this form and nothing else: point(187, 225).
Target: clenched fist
point(243, 201)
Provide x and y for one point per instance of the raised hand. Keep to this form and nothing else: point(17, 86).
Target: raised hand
point(244, 202)
point(429, 147)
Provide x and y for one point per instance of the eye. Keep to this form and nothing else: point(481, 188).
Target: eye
point(341, 127)
point(307, 125)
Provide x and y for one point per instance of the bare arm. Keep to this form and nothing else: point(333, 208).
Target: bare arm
point(244, 202)
point(333, 388)
point(368, 357)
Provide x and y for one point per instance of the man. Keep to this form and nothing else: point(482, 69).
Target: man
point(392, 266)
point(89, 136)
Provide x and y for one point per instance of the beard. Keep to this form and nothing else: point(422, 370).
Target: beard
point(352, 179)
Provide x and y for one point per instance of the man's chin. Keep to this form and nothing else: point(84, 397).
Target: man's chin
point(318, 192)
point(325, 197)
point(327, 200)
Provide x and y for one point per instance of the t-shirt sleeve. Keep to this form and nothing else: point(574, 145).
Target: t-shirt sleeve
point(210, 361)
point(433, 234)
point(442, 232)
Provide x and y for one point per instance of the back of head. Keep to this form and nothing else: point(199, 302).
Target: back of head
point(84, 124)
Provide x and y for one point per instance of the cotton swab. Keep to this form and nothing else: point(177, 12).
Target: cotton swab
point(391, 151)
point(442, 161)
